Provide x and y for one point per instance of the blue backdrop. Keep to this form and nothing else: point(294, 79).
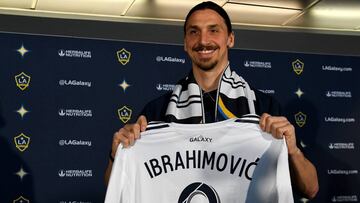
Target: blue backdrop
point(61, 100)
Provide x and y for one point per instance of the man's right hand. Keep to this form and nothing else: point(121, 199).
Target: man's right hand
point(128, 134)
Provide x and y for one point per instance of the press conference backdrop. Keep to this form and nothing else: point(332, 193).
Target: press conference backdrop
point(62, 98)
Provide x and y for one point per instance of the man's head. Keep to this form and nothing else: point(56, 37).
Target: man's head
point(213, 6)
point(208, 35)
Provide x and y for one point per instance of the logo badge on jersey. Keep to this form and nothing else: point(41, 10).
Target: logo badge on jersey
point(22, 81)
point(298, 66)
point(123, 56)
point(193, 190)
point(22, 142)
point(124, 114)
point(21, 199)
point(300, 119)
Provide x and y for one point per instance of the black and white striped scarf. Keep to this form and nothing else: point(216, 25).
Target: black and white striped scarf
point(234, 98)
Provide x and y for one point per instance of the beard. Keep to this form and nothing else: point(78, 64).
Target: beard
point(204, 64)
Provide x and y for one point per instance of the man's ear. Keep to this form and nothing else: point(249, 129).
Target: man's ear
point(231, 40)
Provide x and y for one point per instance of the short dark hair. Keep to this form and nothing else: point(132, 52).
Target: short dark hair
point(213, 6)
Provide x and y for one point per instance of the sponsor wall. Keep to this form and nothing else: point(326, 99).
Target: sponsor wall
point(61, 100)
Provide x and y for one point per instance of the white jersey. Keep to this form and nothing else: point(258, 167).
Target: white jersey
point(228, 161)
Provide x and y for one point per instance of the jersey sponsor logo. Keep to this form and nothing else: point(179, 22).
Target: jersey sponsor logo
point(22, 81)
point(300, 119)
point(199, 189)
point(124, 114)
point(22, 142)
point(200, 159)
point(21, 199)
point(123, 56)
point(200, 138)
point(298, 66)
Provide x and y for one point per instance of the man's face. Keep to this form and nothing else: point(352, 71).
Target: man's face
point(207, 39)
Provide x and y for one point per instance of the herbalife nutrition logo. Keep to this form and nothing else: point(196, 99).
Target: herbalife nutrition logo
point(339, 94)
point(350, 146)
point(75, 113)
point(75, 173)
point(257, 64)
point(165, 87)
point(74, 53)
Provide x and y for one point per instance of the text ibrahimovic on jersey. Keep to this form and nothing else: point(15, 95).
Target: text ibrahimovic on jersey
point(229, 161)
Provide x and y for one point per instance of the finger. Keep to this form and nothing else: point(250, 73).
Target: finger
point(124, 137)
point(262, 121)
point(142, 121)
point(272, 122)
point(278, 129)
point(135, 133)
point(115, 144)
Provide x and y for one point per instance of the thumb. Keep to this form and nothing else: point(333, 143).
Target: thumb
point(142, 122)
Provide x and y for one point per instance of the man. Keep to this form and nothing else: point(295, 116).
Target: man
point(209, 98)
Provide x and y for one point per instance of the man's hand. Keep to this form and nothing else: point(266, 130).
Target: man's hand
point(303, 172)
point(280, 127)
point(128, 134)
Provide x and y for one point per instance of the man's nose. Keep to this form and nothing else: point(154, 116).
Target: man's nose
point(204, 38)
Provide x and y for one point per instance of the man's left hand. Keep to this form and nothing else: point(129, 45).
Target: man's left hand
point(280, 127)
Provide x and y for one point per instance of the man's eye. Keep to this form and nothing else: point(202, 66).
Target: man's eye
point(192, 31)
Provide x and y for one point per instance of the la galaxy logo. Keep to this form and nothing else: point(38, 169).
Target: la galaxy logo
point(22, 142)
point(124, 114)
point(300, 119)
point(298, 66)
point(21, 199)
point(123, 56)
point(22, 81)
